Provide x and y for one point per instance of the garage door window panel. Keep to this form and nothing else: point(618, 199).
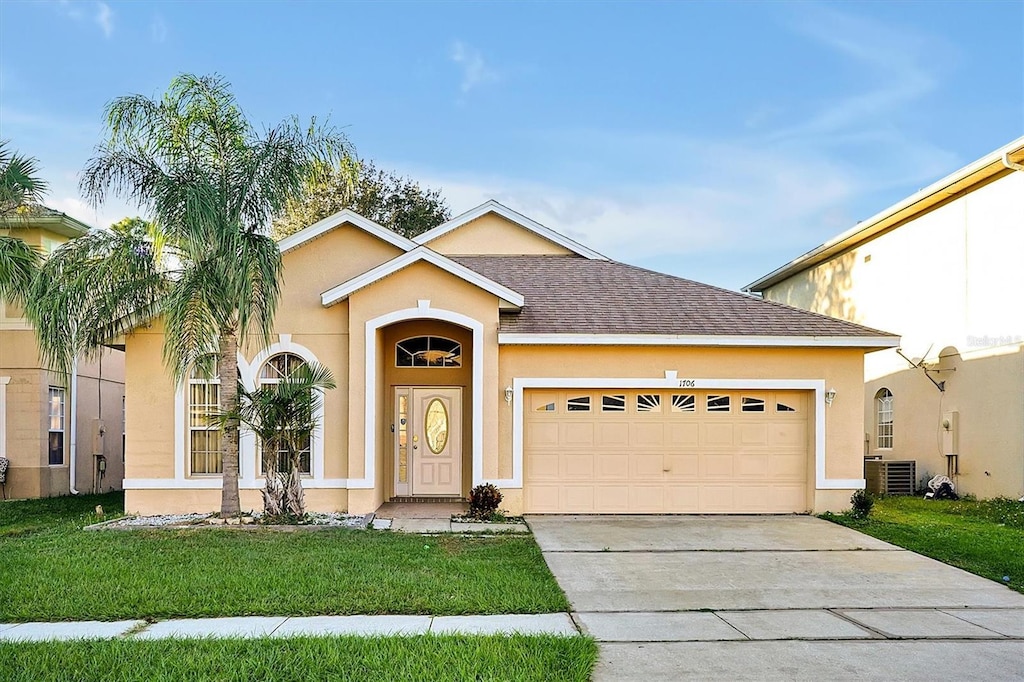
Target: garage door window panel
point(613, 403)
point(578, 404)
point(683, 402)
point(718, 403)
point(751, 404)
point(648, 402)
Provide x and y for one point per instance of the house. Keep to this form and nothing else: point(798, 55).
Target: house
point(494, 349)
point(60, 436)
point(942, 268)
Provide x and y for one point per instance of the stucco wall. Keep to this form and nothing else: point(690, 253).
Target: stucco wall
point(493, 235)
point(940, 281)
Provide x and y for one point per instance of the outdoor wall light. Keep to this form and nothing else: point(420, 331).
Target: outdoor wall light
point(508, 394)
point(830, 395)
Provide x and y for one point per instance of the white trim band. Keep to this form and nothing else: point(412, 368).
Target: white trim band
point(512, 339)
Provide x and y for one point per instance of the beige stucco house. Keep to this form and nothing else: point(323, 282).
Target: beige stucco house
point(493, 349)
point(60, 436)
point(941, 268)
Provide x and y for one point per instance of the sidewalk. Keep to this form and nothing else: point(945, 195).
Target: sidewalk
point(284, 626)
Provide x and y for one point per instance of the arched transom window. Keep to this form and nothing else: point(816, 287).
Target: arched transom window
point(883, 409)
point(428, 351)
point(275, 369)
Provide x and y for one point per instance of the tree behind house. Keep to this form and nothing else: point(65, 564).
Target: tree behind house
point(398, 203)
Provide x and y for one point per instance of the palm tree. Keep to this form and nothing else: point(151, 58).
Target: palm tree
point(205, 267)
point(20, 188)
point(283, 418)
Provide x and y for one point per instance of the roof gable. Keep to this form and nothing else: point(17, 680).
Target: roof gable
point(514, 217)
point(333, 222)
point(512, 299)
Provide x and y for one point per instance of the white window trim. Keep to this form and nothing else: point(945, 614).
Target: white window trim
point(3, 415)
point(192, 381)
point(878, 420)
point(63, 430)
point(247, 470)
point(671, 381)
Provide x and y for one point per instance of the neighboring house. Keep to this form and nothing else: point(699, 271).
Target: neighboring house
point(492, 348)
point(943, 269)
point(58, 434)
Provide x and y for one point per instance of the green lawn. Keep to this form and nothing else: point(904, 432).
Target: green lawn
point(984, 537)
point(57, 571)
point(321, 658)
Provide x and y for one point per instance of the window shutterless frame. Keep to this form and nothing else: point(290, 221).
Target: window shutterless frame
point(55, 435)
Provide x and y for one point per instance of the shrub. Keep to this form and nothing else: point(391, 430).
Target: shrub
point(484, 500)
point(861, 503)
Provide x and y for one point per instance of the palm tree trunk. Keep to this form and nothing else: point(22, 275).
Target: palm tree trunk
point(227, 367)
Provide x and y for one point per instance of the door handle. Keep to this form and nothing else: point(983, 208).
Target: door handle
point(415, 447)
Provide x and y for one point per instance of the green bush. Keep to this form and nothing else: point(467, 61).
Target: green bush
point(861, 503)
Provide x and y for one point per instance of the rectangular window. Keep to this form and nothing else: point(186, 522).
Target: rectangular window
point(283, 465)
point(613, 403)
point(718, 403)
point(56, 426)
point(751, 404)
point(204, 436)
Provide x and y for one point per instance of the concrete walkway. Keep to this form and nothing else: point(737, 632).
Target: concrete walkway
point(281, 626)
point(430, 518)
point(774, 597)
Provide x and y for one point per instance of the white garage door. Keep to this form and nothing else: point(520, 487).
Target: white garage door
point(615, 451)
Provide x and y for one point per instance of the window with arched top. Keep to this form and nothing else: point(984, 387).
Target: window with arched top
point(428, 351)
point(883, 418)
point(203, 432)
point(276, 368)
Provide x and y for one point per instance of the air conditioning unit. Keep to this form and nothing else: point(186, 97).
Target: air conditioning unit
point(890, 477)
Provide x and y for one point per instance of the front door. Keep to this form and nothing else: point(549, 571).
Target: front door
point(435, 441)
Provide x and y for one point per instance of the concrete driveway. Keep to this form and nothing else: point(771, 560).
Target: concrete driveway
point(775, 597)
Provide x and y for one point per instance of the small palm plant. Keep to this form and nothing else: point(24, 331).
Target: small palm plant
point(283, 417)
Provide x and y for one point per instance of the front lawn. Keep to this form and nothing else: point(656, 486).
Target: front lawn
point(985, 537)
point(309, 658)
point(53, 570)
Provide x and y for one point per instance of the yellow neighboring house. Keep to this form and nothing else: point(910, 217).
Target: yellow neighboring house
point(60, 436)
point(494, 349)
point(943, 269)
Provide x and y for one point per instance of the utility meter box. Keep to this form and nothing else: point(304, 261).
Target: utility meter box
point(98, 430)
point(951, 433)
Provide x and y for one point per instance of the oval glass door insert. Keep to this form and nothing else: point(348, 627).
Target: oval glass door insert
point(435, 423)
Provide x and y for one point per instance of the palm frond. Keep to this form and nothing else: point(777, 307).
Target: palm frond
point(20, 184)
point(19, 264)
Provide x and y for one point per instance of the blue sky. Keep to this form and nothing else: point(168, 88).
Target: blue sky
point(715, 141)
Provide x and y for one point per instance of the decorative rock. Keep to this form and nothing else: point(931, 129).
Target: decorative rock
point(215, 521)
point(248, 519)
point(234, 521)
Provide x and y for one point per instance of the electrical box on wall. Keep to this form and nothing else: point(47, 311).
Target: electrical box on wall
point(98, 430)
point(951, 433)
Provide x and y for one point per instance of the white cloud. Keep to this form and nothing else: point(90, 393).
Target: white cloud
point(102, 16)
point(158, 29)
point(105, 18)
point(475, 71)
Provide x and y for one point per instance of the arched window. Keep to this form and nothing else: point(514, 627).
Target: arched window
point(275, 369)
point(883, 418)
point(428, 351)
point(203, 433)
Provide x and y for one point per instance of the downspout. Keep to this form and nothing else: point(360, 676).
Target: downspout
point(74, 428)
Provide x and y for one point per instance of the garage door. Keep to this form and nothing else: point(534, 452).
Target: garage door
point(593, 451)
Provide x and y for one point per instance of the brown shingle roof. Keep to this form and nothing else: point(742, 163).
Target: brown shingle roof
point(572, 295)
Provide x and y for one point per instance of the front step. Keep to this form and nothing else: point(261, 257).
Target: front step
point(428, 500)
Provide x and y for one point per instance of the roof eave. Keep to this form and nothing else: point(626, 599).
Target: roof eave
point(868, 343)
